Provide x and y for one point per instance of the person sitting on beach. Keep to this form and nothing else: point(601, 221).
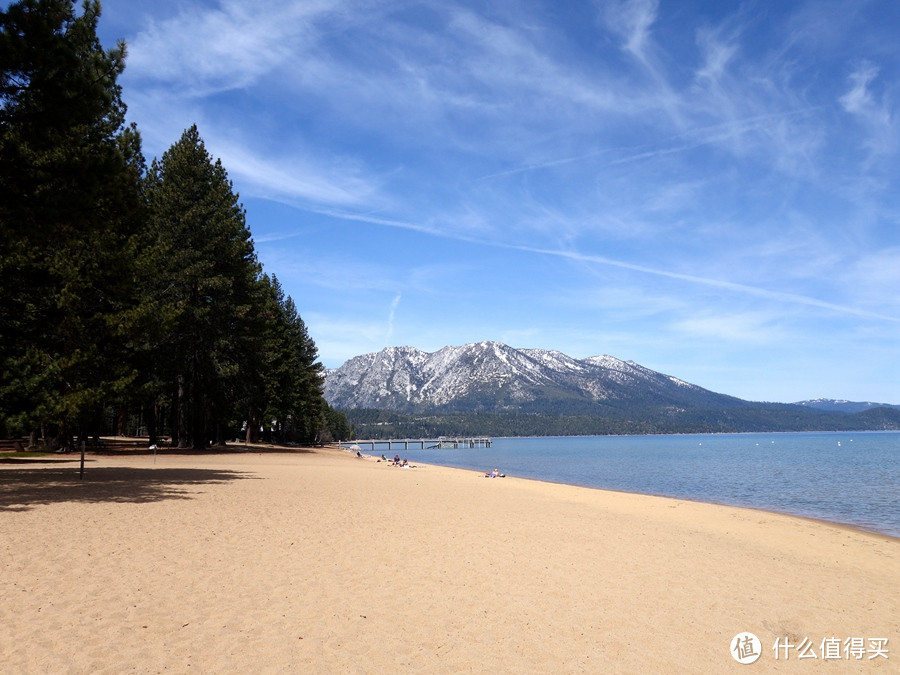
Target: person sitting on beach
point(396, 460)
point(383, 458)
point(404, 464)
point(495, 474)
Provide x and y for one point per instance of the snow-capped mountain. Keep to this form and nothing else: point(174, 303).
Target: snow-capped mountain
point(834, 405)
point(494, 377)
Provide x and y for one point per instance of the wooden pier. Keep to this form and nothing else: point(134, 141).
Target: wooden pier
point(423, 443)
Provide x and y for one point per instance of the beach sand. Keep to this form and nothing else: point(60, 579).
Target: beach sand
point(317, 561)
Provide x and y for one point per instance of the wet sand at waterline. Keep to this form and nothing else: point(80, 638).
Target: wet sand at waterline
point(317, 561)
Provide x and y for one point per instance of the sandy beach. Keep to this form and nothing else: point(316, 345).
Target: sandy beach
point(317, 561)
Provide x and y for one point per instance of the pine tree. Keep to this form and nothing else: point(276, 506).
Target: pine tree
point(309, 405)
point(201, 267)
point(69, 172)
point(121, 285)
point(272, 389)
point(287, 401)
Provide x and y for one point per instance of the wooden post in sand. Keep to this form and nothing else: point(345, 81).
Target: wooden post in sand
point(81, 472)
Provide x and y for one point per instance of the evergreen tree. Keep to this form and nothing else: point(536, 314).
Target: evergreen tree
point(68, 176)
point(338, 427)
point(122, 286)
point(271, 393)
point(289, 403)
point(201, 268)
point(308, 405)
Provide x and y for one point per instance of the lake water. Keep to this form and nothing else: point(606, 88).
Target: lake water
point(849, 478)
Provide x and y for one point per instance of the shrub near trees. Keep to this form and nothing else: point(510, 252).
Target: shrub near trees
point(125, 289)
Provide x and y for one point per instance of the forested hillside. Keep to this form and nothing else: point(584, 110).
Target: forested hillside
point(131, 300)
point(772, 417)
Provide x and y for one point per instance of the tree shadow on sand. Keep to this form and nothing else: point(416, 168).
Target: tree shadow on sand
point(25, 488)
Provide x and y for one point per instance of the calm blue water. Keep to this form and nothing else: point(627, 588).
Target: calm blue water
point(849, 478)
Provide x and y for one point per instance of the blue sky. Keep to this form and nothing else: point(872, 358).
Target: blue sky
point(709, 189)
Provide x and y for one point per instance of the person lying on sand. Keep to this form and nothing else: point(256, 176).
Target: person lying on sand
point(495, 474)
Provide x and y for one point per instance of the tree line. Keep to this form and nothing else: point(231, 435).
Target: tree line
point(383, 424)
point(130, 292)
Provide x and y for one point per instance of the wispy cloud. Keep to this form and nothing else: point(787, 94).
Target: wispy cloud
point(282, 176)
point(874, 115)
point(859, 99)
point(389, 334)
point(631, 20)
point(324, 274)
point(716, 134)
point(519, 76)
point(226, 47)
point(742, 289)
point(716, 54)
point(741, 328)
point(273, 237)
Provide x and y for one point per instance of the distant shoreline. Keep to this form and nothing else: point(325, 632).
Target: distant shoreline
point(848, 526)
point(725, 469)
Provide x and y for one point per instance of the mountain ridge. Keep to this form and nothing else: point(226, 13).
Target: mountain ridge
point(489, 385)
point(841, 405)
point(494, 377)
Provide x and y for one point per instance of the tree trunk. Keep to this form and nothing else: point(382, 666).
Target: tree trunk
point(252, 425)
point(180, 413)
point(63, 437)
point(198, 431)
point(123, 420)
point(152, 415)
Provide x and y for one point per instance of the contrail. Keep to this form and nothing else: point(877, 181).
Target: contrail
point(719, 132)
point(715, 283)
point(390, 324)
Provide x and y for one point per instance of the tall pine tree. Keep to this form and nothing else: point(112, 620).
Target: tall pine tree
point(121, 289)
point(289, 402)
point(201, 268)
point(69, 174)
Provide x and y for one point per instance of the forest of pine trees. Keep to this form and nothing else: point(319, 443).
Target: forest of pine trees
point(131, 298)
